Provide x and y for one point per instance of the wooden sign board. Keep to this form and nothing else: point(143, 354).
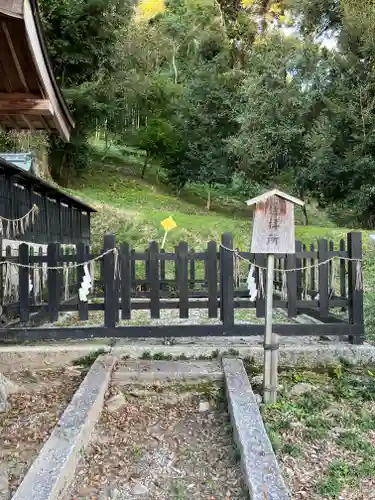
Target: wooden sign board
point(273, 226)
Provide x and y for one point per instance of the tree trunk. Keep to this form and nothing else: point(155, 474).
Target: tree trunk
point(304, 209)
point(40, 166)
point(306, 219)
point(144, 168)
point(174, 65)
point(208, 205)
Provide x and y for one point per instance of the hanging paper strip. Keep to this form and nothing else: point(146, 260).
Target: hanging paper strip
point(10, 228)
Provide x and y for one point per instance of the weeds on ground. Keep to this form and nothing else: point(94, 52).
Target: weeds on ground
point(88, 360)
point(215, 355)
point(338, 413)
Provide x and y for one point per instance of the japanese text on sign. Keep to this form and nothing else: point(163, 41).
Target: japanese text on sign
point(273, 228)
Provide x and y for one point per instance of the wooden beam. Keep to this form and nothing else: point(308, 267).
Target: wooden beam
point(14, 55)
point(17, 96)
point(60, 120)
point(41, 107)
point(13, 123)
point(29, 125)
point(45, 123)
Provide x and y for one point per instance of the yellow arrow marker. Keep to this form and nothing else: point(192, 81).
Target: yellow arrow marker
point(167, 224)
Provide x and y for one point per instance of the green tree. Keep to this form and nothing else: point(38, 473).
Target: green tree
point(341, 144)
point(81, 38)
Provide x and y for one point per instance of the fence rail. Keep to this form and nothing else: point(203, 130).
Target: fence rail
point(214, 279)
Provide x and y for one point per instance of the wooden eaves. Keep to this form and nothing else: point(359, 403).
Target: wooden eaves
point(30, 97)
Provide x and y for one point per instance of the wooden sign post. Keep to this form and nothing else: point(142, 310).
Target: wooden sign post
point(273, 233)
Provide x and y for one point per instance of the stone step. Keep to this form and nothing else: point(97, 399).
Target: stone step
point(148, 372)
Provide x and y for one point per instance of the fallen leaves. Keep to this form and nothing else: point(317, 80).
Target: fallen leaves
point(32, 414)
point(169, 449)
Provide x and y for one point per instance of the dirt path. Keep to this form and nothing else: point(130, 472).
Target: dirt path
point(159, 445)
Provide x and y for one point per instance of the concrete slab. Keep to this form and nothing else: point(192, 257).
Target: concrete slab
point(147, 372)
point(261, 471)
point(17, 358)
point(292, 354)
point(54, 469)
point(308, 356)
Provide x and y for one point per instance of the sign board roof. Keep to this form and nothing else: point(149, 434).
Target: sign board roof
point(275, 192)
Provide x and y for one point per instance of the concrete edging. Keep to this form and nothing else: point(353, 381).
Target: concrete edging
point(54, 468)
point(260, 468)
point(14, 358)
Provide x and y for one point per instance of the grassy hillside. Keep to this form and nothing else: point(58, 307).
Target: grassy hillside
point(133, 209)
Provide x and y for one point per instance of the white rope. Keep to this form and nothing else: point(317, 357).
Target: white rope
point(69, 266)
point(34, 208)
point(294, 269)
point(235, 251)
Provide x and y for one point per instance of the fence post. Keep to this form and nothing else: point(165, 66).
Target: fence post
point(101, 270)
point(291, 284)
point(23, 282)
point(153, 279)
point(211, 273)
point(299, 273)
point(192, 268)
point(147, 271)
point(2, 271)
point(41, 274)
point(323, 278)
point(355, 285)
point(163, 285)
point(182, 263)
point(125, 281)
point(304, 282)
point(331, 286)
point(110, 289)
point(312, 273)
point(53, 281)
point(226, 281)
point(342, 271)
point(133, 270)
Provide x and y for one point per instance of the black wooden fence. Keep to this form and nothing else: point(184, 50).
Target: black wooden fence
point(214, 279)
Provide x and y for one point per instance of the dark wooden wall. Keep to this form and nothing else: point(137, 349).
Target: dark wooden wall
point(60, 218)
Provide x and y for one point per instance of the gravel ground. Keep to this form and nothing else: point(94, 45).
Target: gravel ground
point(196, 317)
point(168, 317)
point(158, 445)
point(32, 414)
